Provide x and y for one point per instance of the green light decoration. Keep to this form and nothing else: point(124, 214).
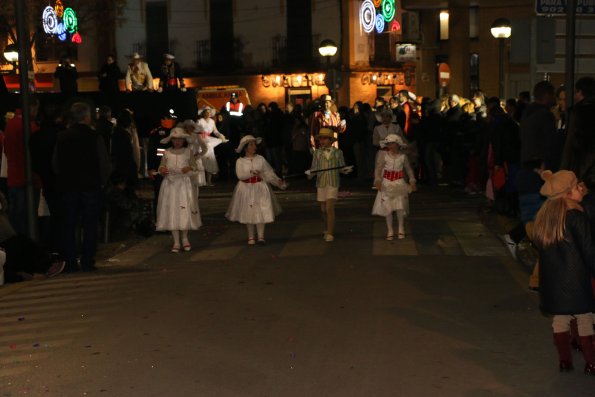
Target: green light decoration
point(70, 21)
point(388, 10)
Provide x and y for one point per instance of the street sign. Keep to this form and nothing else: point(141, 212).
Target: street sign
point(558, 7)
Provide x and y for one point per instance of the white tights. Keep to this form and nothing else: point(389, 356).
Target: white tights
point(400, 222)
point(259, 230)
point(176, 236)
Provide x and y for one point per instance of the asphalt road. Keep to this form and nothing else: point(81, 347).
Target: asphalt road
point(445, 312)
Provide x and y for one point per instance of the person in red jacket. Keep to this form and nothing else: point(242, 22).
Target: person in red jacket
point(14, 148)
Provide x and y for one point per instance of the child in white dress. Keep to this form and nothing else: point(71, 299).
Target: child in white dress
point(199, 149)
point(177, 208)
point(205, 126)
point(393, 189)
point(253, 203)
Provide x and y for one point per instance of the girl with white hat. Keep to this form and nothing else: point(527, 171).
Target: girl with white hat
point(253, 203)
point(177, 208)
point(206, 127)
point(392, 167)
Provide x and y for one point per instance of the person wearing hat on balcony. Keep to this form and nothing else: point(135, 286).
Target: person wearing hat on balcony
point(177, 208)
point(138, 75)
point(205, 126)
point(234, 107)
point(327, 163)
point(562, 234)
point(253, 203)
point(328, 117)
point(171, 75)
point(392, 167)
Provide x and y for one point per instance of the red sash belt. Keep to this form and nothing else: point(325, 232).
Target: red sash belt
point(172, 82)
point(254, 179)
point(393, 175)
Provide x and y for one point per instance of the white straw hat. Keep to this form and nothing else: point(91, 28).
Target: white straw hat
point(169, 56)
point(203, 109)
point(175, 132)
point(393, 138)
point(245, 140)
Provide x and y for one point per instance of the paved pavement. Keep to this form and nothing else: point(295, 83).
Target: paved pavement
point(444, 312)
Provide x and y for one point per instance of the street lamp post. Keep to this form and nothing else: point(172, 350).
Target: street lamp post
point(327, 49)
point(501, 30)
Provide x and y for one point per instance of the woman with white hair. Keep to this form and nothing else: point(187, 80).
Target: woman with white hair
point(206, 127)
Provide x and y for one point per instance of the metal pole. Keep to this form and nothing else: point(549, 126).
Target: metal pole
point(501, 68)
point(570, 50)
point(24, 55)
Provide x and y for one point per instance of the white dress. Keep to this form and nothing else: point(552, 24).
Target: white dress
point(199, 149)
point(253, 201)
point(394, 194)
point(207, 127)
point(177, 208)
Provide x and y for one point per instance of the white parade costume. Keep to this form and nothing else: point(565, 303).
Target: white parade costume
point(206, 128)
point(394, 195)
point(253, 201)
point(199, 149)
point(177, 208)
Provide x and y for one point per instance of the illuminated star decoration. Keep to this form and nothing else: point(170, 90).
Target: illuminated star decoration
point(388, 10)
point(379, 23)
point(70, 21)
point(61, 32)
point(59, 8)
point(61, 22)
point(367, 15)
point(49, 20)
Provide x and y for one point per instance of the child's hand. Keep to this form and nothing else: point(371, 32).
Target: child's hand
point(255, 172)
point(309, 174)
point(413, 186)
point(164, 171)
point(282, 184)
point(186, 169)
point(378, 185)
point(346, 170)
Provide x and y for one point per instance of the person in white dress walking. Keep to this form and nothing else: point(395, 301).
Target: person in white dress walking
point(177, 208)
point(206, 127)
point(199, 149)
point(392, 167)
point(253, 203)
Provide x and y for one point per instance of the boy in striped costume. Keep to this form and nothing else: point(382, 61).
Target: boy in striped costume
point(328, 158)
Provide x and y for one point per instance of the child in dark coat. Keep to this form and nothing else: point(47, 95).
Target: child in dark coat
point(562, 233)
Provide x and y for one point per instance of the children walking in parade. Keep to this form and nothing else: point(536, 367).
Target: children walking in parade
point(327, 163)
point(177, 207)
point(392, 169)
point(253, 203)
point(563, 236)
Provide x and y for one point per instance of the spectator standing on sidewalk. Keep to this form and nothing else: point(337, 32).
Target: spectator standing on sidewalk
point(82, 168)
point(14, 148)
point(562, 234)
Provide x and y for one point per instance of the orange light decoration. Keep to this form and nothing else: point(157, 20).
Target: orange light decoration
point(76, 38)
point(377, 3)
point(59, 8)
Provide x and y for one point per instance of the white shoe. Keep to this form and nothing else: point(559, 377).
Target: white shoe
point(328, 238)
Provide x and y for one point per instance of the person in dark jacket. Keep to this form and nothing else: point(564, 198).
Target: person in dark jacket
point(82, 168)
point(562, 233)
point(539, 138)
point(109, 76)
point(41, 147)
point(122, 151)
point(67, 74)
